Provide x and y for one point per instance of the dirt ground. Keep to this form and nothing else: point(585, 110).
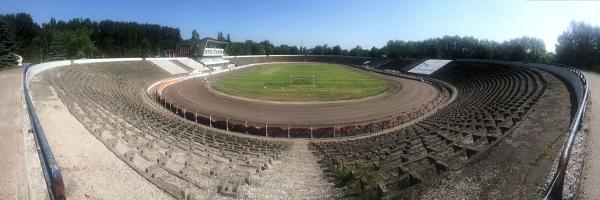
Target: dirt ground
point(591, 181)
point(194, 94)
point(89, 169)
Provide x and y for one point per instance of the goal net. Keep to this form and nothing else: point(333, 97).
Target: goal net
point(303, 79)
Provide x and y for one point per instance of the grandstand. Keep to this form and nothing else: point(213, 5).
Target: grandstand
point(167, 151)
point(489, 104)
point(178, 65)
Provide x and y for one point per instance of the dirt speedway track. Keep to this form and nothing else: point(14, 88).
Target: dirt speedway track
point(406, 96)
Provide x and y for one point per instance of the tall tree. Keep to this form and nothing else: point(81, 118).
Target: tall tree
point(77, 44)
point(145, 49)
point(357, 51)
point(268, 47)
point(337, 50)
point(56, 50)
point(220, 36)
point(579, 46)
point(7, 47)
point(195, 35)
point(374, 52)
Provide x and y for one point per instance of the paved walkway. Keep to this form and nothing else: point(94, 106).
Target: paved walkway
point(591, 182)
point(12, 167)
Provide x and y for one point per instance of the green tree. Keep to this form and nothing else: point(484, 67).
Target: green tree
point(318, 50)
point(7, 47)
point(258, 49)
point(77, 44)
point(579, 46)
point(56, 50)
point(337, 50)
point(357, 51)
point(145, 49)
point(268, 47)
point(220, 36)
point(374, 52)
point(195, 35)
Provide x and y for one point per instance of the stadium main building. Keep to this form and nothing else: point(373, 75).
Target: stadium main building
point(204, 125)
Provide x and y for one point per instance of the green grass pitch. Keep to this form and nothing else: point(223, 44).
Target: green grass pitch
point(302, 82)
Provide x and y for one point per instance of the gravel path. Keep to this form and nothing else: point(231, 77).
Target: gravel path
point(297, 175)
point(591, 182)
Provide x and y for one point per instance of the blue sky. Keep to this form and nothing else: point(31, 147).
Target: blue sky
point(345, 22)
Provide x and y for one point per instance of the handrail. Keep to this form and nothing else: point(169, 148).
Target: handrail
point(52, 174)
point(555, 189)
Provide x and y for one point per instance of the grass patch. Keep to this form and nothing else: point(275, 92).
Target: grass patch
point(548, 147)
point(302, 82)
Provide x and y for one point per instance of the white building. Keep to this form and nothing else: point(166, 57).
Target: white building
point(207, 51)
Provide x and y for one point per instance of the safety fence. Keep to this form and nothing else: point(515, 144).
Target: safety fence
point(293, 130)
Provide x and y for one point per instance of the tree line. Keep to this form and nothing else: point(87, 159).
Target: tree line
point(454, 47)
point(447, 47)
point(578, 46)
point(84, 38)
point(265, 47)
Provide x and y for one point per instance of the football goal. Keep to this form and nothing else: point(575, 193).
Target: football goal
point(302, 80)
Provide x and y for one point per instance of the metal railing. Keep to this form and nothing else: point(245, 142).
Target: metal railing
point(52, 174)
point(555, 189)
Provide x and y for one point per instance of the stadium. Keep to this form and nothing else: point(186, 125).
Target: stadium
point(436, 119)
point(121, 110)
